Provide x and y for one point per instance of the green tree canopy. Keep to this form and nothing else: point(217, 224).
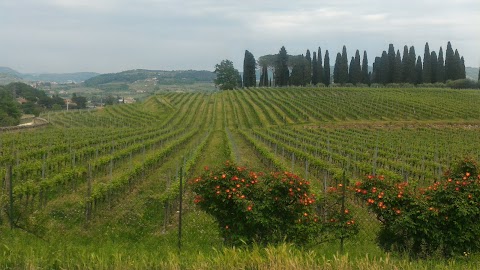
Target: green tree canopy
point(282, 72)
point(80, 101)
point(9, 110)
point(326, 68)
point(320, 69)
point(427, 65)
point(249, 67)
point(365, 75)
point(418, 71)
point(440, 67)
point(314, 69)
point(227, 75)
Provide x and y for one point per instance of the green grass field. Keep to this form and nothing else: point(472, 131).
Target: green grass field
point(99, 189)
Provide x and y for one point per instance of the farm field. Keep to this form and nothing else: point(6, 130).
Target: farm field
point(99, 189)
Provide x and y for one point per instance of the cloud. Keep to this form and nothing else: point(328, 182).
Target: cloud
point(110, 35)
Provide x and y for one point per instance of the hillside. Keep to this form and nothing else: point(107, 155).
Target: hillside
point(98, 189)
point(76, 77)
point(162, 77)
point(472, 73)
point(8, 75)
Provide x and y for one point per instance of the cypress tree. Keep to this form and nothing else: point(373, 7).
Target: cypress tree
point(449, 63)
point(427, 65)
point(440, 67)
point(264, 77)
point(351, 70)
point(296, 77)
point(282, 72)
point(308, 68)
point(390, 64)
point(356, 70)
point(326, 77)
point(344, 66)
point(405, 66)
point(375, 76)
point(336, 68)
point(434, 60)
point(365, 76)
point(463, 74)
point(457, 66)
point(314, 69)
point(412, 77)
point(418, 71)
point(321, 75)
point(261, 81)
point(384, 72)
point(397, 76)
point(249, 66)
point(478, 79)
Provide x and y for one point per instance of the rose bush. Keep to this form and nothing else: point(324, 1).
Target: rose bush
point(442, 218)
point(260, 207)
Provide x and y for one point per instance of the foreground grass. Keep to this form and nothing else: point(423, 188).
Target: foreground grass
point(202, 248)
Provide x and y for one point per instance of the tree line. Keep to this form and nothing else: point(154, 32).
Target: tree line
point(19, 98)
point(283, 69)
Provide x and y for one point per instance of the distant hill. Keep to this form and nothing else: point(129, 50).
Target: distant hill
point(60, 77)
point(8, 75)
point(162, 77)
point(472, 73)
point(7, 70)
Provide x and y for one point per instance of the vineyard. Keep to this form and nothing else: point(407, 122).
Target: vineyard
point(115, 173)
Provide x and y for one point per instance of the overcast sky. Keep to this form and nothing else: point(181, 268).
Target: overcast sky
point(115, 35)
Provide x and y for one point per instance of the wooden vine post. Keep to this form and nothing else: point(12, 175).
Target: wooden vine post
point(180, 191)
point(9, 188)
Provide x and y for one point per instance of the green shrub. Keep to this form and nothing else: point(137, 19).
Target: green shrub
point(264, 208)
point(440, 219)
point(462, 84)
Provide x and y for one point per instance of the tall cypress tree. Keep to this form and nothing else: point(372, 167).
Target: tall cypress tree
point(308, 68)
point(434, 60)
point(351, 70)
point(397, 76)
point(458, 66)
point(336, 68)
point(384, 72)
point(365, 76)
point(478, 79)
point(282, 72)
point(344, 66)
point(412, 77)
point(326, 77)
point(264, 77)
point(463, 74)
point(449, 63)
point(261, 81)
point(320, 70)
point(314, 69)
point(297, 77)
point(405, 64)
point(390, 64)
point(357, 69)
point(427, 65)
point(418, 71)
point(440, 67)
point(376, 73)
point(249, 66)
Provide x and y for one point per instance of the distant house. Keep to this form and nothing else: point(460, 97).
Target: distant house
point(21, 100)
point(129, 100)
point(69, 102)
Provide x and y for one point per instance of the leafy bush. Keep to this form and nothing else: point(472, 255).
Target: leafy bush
point(263, 208)
point(440, 219)
point(462, 84)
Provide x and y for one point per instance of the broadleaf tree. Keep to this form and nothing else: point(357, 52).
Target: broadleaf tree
point(227, 75)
